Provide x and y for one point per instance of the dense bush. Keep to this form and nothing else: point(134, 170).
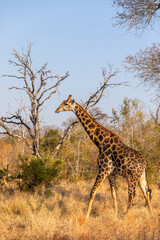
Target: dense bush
point(35, 171)
point(49, 141)
point(2, 174)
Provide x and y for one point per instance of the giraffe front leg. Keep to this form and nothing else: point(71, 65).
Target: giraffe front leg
point(113, 191)
point(100, 177)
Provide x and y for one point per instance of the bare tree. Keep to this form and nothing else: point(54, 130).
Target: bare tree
point(145, 65)
point(136, 14)
point(94, 98)
point(35, 84)
point(155, 116)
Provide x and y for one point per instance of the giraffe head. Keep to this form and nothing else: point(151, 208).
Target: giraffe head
point(66, 105)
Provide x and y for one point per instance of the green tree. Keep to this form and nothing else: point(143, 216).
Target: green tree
point(49, 141)
point(129, 120)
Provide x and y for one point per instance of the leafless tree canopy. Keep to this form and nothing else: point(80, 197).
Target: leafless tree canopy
point(146, 66)
point(39, 85)
point(137, 14)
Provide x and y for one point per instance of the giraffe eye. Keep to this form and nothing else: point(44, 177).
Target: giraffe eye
point(66, 104)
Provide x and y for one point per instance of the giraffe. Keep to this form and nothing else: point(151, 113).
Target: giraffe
point(114, 158)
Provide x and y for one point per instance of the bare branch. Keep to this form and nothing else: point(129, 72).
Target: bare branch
point(14, 135)
point(17, 88)
point(135, 14)
point(13, 76)
point(156, 117)
point(60, 79)
point(40, 104)
point(65, 136)
point(145, 65)
point(95, 97)
point(17, 120)
point(42, 83)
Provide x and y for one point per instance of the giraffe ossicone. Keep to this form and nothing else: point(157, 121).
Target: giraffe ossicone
point(114, 157)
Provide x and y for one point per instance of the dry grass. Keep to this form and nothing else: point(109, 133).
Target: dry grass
point(61, 216)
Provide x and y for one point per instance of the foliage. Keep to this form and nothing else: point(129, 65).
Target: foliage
point(4, 175)
point(34, 172)
point(129, 120)
point(49, 141)
point(79, 154)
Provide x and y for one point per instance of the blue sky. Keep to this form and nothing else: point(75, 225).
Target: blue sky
point(71, 35)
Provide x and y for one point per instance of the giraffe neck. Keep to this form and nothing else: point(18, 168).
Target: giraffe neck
point(96, 132)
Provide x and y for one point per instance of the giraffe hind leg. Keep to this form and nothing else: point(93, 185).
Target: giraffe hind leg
point(113, 191)
point(145, 190)
point(131, 192)
point(150, 196)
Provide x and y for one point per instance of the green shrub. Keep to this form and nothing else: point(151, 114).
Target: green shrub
point(34, 172)
point(49, 141)
point(2, 174)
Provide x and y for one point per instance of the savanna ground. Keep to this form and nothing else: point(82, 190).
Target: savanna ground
point(59, 214)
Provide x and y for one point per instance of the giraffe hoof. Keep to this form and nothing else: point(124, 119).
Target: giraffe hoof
point(87, 216)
